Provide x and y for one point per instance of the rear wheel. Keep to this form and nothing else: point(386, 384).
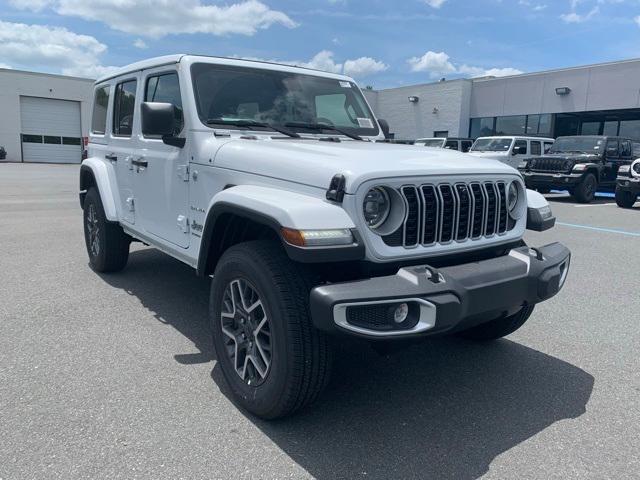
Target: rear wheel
point(625, 199)
point(498, 328)
point(585, 191)
point(272, 357)
point(107, 244)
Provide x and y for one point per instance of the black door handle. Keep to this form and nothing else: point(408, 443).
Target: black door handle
point(112, 157)
point(139, 163)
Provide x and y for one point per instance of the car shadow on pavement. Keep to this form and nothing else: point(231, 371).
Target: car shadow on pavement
point(445, 408)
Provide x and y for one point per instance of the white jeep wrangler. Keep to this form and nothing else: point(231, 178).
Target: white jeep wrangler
point(266, 177)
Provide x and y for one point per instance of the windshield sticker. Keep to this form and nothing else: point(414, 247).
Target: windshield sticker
point(365, 123)
point(345, 84)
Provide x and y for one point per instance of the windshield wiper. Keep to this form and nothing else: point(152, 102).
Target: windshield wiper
point(251, 123)
point(323, 126)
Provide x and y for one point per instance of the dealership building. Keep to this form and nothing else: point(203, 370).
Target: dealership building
point(601, 99)
point(45, 117)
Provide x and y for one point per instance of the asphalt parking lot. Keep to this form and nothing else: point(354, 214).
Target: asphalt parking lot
point(114, 377)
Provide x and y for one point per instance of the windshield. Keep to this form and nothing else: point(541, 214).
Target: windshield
point(491, 145)
point(231, 93)
point(435, 142)
point(593, 145)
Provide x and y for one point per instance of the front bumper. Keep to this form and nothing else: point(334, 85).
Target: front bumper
point(535, 180)
point(629, 184)
point(463, 295)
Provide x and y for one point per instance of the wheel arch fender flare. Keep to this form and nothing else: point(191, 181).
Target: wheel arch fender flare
point(274, 208)
point(95, 172)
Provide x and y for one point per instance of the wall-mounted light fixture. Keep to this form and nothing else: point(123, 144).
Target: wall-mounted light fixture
point(414, 99)
point(563, 91)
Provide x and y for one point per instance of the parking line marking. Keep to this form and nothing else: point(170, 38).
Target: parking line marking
point(600, 229)
point(595, 205)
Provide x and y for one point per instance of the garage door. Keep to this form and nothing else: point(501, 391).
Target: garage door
point(50, 130)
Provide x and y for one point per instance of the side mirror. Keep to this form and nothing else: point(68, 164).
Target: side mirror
point(159, 119)
point(384, 126)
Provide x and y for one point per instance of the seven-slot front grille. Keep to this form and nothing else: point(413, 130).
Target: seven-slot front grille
point(550, 165)
point(446, 212)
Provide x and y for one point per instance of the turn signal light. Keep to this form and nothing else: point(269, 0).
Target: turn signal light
point(317, 238)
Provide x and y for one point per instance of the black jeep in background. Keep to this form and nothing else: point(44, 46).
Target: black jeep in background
point(3, 153)
point(581, 164)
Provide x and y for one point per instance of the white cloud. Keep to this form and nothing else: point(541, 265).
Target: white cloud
point(535, 7)
point(436, 63)
point(439, 63)
point(637, 20)
point(4, 65)
point(435, 3)
point(141, 44)
point(325, 61)
point(363, 67)
point(51, 48)
point(574, 17)
point(158, 18)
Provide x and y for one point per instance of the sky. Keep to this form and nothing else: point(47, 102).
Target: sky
point(380, 43)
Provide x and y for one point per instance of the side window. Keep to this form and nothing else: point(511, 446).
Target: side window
point(123, 108)
point(99, 114)
point(536, 148)
point(451, 144)
point(547, 146)
point(165, 88)
point(466, 145)
point(612, 148)
point(522, 146)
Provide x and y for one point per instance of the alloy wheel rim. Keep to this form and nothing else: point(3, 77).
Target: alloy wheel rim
point(247, 332)
point(93, 228)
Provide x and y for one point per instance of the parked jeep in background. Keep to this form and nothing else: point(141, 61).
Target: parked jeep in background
point(509, 150)
point(451, 143)
point(580, 164)
point(266, 177)
point(628, 185)
point(3, 153)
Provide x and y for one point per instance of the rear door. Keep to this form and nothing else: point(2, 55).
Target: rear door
point(162, 179)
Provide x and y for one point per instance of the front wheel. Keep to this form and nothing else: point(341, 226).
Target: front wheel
point(625, 199)
point(271, 356)
point(585, 191)
point(500, 327)
point(107, 244)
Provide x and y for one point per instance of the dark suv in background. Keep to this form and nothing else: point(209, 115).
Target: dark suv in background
point(580, 164)
point(3, 153)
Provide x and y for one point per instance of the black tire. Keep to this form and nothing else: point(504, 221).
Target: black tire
point(109, 249)
point(300, 357)
point(586, 190)
point(498, 328)
point(625, 199)
point(543, 190)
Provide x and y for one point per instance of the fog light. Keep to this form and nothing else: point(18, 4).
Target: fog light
point(401, 312)
point(564, 270)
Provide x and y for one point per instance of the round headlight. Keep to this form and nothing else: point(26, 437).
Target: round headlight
point(376, 207)
point(512, 197)
point(635, 168)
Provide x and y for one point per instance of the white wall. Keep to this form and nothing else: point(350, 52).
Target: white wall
point(414, 120)
point(599, 87)
point(15, 83)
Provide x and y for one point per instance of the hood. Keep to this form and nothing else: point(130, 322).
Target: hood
point(491, 155)
point(313, 162)
point(574, 157)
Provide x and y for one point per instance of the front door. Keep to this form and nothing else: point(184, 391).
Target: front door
point(161, 180)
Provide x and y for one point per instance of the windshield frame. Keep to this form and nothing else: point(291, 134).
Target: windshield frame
point(591, 151)
point(423, 142)
point(511, 141)
point(356, 91)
